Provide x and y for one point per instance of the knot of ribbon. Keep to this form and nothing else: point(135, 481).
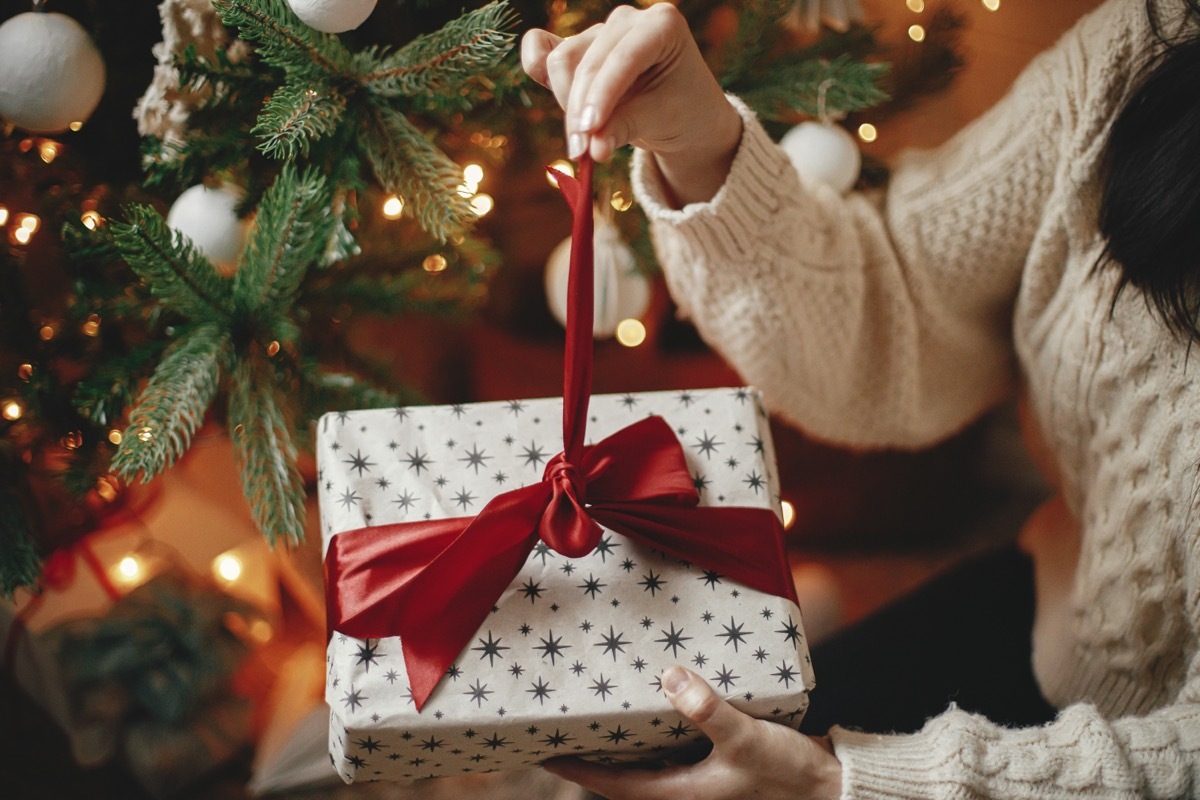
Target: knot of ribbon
point(433, 583)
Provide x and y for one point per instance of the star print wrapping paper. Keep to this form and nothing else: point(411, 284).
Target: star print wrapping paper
point(569, 659)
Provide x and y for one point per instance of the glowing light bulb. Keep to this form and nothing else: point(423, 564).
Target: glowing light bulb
point(482, 204)
point(631, 332)
point(77, 125)
point(563, 166)
point(92, 326)
point(227, 567)
point(473, 173)
point(620, 202)
point(22, 235)
point(91, 220)
point(916, 33)
point(867, 132)
point(48, 150)
point(25, 372)
point(12, 410)
point(129, 568)
point(916, 6)
point(434, 263)
point(991, 5)
point(30, 222)
point(789, 515)
point(145, 434)
point(393, 207)
point(465, 190)
point(115, 436)
point(47, 332)
point(3, 215)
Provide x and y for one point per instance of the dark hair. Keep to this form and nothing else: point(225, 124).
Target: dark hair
point(1150, 208)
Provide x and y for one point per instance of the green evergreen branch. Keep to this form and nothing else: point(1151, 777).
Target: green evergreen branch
point(445, 60)
point(266, 453)
point(19, 561)
point(283, 40)
point(795, 87)
point(102, 396)
point(295, 116)
point(408, 164)
point(172, 406)
point(759, 24)
point(175, 271)
point(291, 232)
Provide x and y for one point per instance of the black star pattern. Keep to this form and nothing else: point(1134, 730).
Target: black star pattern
point(368, 654)
point(612, 643)
point(725, 677)
point(541, 691)
point(785, 674)
point(761, 655)
point(628, 565)
point(491, 649)
point(731, 462)
point(790, 631)
point(542, 550)
point(516, 407)
point(711, 579)
point(706, 617)
point(474, 457)
point(767, 613)
point(525, 629)
point(699, 659)
point(440, 481)
point(629, 401)
point(369, 744)
point(617, 736)
point(349, 498)
point(651, 582)
point(401, 413)
point(382, 483)
point(678, 731)
point(453, 672)
point(432, 744)
point(458, 410)
point(533, 455)
point(500, 478)
point(687, 399)
point(405, 500)
point(464, 498)
point(602, 687)
point(707, 444)
point(359, 462)
point(354, 698)
point(754, 481)
point(517, 670)
point(741, 395)
point(646, 623)
point(585, 626)
point(758, 444)
point(578, 668)
point(392, 675)
point(357, 761)
point(734, 634)
point(557, 739)
point(479, 693)
point(552, 646)
point(674, 640)
point(605, 547)
point(417, 461)
point(591, 586)
point(531, 590)
point(567, 568)
point(638, 664)
point(700, 482)
point(495, 742)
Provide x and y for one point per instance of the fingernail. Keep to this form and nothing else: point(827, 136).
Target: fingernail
point(587, 119)
point(575, 145)
point(674, 679)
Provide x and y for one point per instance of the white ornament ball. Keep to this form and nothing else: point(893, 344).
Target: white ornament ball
point(333, 16)
point(209, 218)
point(51, 74)
point(622, 291)
point(823, 152)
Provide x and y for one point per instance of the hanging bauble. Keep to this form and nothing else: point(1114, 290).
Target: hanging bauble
point(333, 16)
point(51, 74)
point(208, 216)
point(822, 151)
point(622, 291)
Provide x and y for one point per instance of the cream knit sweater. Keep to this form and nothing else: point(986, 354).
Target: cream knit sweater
point(896, 320)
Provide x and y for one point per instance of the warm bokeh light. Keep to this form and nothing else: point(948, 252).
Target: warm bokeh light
point(789, 514)
point(25, 372)
point(108, 488)
point(916, 6)
point(145, 434)
point(227, 567)
point(115, 436)
point(22, 235)
point(631, 332)
point(916, 33)
point(867, 132)
point(465, 190)
point(91, 327)
point(77, 125)
point(47, 332)
point(91, 220)
point(261, 631)
point(482, 204)
point(991, 5)
point(393, 207)
point(48, 150)
point(563, 166)
point(620, 201)
point(72, 440)
point(434, 263)
point(30, 222)
point(12, 410)
point(129, 569)
point(473, 174)
point(3, 215)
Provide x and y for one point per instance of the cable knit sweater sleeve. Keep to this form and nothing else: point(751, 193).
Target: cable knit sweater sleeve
point(864, 326)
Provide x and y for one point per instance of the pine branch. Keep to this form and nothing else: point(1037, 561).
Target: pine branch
point(292, 229)
point(759, 24)
point(172, 406)
point(297, 115)
point(283, 40)
point(407, 164)
point(19, 562)
point(102, 396)
point(443, 61)
point(267, 456)
point(795, 87)
point(171, 266)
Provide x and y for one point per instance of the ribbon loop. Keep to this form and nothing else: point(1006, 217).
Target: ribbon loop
point(566, 525)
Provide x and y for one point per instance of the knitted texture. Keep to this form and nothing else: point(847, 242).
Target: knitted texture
point(895, 320)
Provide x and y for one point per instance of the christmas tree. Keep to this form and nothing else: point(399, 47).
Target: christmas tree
point(273, 142)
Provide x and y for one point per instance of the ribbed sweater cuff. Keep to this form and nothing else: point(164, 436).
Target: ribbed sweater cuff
point(879, 767)
point(728, 223)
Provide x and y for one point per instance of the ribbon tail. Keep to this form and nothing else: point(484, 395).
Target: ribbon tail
point(745, 544)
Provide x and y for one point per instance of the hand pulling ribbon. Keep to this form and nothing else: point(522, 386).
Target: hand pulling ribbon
point(433, 583)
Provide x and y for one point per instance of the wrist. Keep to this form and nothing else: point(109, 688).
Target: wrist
point(695, 172)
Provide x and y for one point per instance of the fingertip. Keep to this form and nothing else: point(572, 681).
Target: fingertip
point(603, 148)
point(536, 45)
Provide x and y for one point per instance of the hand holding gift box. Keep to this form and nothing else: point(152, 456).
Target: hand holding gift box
point(541, 625)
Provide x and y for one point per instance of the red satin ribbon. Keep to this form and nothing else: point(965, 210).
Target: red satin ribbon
point(433, 583)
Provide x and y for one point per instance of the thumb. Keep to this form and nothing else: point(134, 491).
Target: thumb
point(694, 699)
point(535, 46)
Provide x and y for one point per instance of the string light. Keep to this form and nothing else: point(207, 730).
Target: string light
point(22, 235)
point(77, 125)
point(72, 440)
point(107, 487)
point(991, 5)
point(25, 372)
point(631, 332)
point(789, 514)
point(145, 434)
point(48, 150)
point(92, 326)
point(115, 436)
point(916, 33)
point(473, 174)
point(30, 222)
point(128, 570)
point(47, 331)
point(867, 132)
point(3, 215)
point(91, 220)
point(465, 190)
point(620, 201)
point(273, 349)
point(393, 207)
point(12, 410)
point(227, 567)
point(916, 6)
point(563, 166)
point(434, 263)
point(482, 204)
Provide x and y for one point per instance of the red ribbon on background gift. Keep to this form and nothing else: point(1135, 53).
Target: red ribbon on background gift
point(433, 583)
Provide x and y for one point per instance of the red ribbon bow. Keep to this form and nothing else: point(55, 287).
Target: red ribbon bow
point(433, 583)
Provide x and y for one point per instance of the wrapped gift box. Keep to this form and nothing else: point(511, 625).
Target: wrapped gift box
point(568, 661)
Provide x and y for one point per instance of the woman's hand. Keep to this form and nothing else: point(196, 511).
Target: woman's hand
point(639, 78)
point(750, 757)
